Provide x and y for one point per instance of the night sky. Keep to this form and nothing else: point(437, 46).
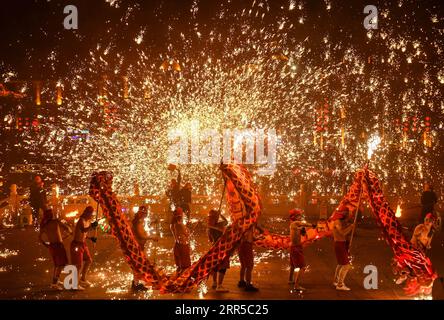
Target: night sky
point(31, 30)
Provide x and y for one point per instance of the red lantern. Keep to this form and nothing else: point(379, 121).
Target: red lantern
point(427, 124)
point(35, 124)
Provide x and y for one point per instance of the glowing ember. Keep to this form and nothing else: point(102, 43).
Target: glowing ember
point(119, 290)
point(8, 253)
point(398, 213)
point(372, 144)
point(72, 214)
point(202, 290)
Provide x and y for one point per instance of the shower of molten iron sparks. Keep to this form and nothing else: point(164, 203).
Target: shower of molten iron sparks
point(72, 214)
point(255, 74)
point(372, 145)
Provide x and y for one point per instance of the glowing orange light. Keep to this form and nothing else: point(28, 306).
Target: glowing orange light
point(38, 93)
point(72, 214)
point(125, 88)
point(398, 213)
point(59, 94)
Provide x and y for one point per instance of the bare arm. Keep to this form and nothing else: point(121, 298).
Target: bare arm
point(307, 225)
point(216, 228)
point(42, 231)
point(82, 226)
point(343, 231)
point(141, 232)
point(348, 229)
point(85, 229)
point(417, 232)
point(65, 228)
point(429, 242)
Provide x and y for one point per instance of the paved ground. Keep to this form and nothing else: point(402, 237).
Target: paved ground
point(25, 268)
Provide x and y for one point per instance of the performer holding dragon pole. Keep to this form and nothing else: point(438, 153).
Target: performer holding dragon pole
point(141, 237)
point(421, 239)
point(246, 259)
point(423, 234)
point(297, 260)
point(215, 230)
point(80, 255)
point(181, 236)
point(54, 230)
point(341, 232)
point(174, 192)
point(185, 200)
